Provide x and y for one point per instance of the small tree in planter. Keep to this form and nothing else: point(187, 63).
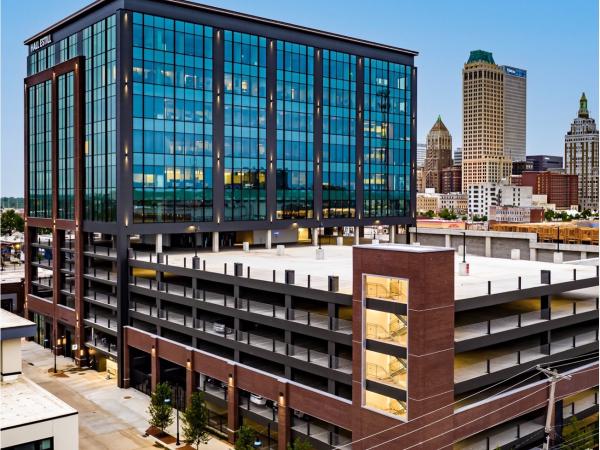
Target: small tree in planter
point(195, 420)
point(160, 409)
point(245, 438)
point(299, 444)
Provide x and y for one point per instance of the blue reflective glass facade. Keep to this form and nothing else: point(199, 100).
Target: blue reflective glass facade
point(295, 151)
point(40, 150)
point(339, 134)
point(245, 126)
point(100, 146)
point(387, 133)
point(172, 120)
point(225, 123)
point(66, 146)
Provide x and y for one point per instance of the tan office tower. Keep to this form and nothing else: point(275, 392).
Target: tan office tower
point(484, 160)
point(581, 156)
point(438, 155)
point(515, 112)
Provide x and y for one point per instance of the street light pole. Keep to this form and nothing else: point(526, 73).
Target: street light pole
point(553, 377)
point(464, 246)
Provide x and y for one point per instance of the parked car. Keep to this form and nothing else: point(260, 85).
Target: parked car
point(221, 327)
point(258, 400)
point(216, 383)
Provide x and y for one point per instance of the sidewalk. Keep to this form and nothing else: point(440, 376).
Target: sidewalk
point(109, 417)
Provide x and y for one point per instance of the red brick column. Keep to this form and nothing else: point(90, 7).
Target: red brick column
point(189, 378)
point(283, 416)
point(232, 404)
point(154, 364)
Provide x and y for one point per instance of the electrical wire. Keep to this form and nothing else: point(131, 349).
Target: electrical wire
point(339, 447)
point(581, 437)
point(477, 418)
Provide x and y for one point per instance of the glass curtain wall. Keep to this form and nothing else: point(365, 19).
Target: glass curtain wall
point(386, 138)
point(295, 85)
point(245, 72)
point(40, 149)
point(172, 124)
point(100, 147)
point(66, 146)
point(339, 134)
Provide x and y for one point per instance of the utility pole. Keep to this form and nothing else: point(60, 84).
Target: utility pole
point(553, 377)
point(464, 246)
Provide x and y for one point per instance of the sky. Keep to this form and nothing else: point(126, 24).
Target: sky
point(556, 41)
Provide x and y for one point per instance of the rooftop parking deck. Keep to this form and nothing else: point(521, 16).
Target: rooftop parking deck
point(265, 264)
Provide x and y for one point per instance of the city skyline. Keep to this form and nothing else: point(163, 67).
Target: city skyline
point(442, 53)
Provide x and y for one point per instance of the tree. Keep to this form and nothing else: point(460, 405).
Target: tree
point(160, 409)
point(448, 214)
point(299, 444)
point(549, 215)
point(430, 214)
point(10, 222)
point(576, 436)
point(245, 438)
point(195, 420)
point(586, 213)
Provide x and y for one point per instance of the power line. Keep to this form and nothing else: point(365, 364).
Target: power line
point(458, 401)
point(474, 420)
point(581, 437)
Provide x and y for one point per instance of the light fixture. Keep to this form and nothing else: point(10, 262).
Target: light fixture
point(153, 352)
point(189, 364)
point(281, 399)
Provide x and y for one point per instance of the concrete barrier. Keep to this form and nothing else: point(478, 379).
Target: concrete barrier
point(246, 246)
point(280, 250)
point(515, 253)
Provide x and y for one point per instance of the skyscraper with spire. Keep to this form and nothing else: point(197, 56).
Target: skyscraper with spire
point(581, 155)
point(438, 155)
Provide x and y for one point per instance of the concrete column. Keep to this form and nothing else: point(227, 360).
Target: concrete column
point(488, 246)
point(356, 235)
point(268, 239)
point(215, 242)
point(392, 233)
point(315, 236)
point(159, 243)
point(532, 254)
point(448, 241)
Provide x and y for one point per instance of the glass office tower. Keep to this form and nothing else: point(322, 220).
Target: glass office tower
point(171, 122)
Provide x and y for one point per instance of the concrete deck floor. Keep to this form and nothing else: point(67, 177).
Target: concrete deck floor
point(109, 418)
point(502, 273)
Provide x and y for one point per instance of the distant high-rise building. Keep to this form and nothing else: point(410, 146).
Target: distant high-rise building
point(541, 163)
point(458, 156)
point(515, 112)
point(484, 160)
point(518, 167)
point(438, 156)
point(421, 152)
point(451, 179)
point(581, 155)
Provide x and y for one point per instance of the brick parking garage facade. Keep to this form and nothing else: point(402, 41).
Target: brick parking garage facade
point(159, 131)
